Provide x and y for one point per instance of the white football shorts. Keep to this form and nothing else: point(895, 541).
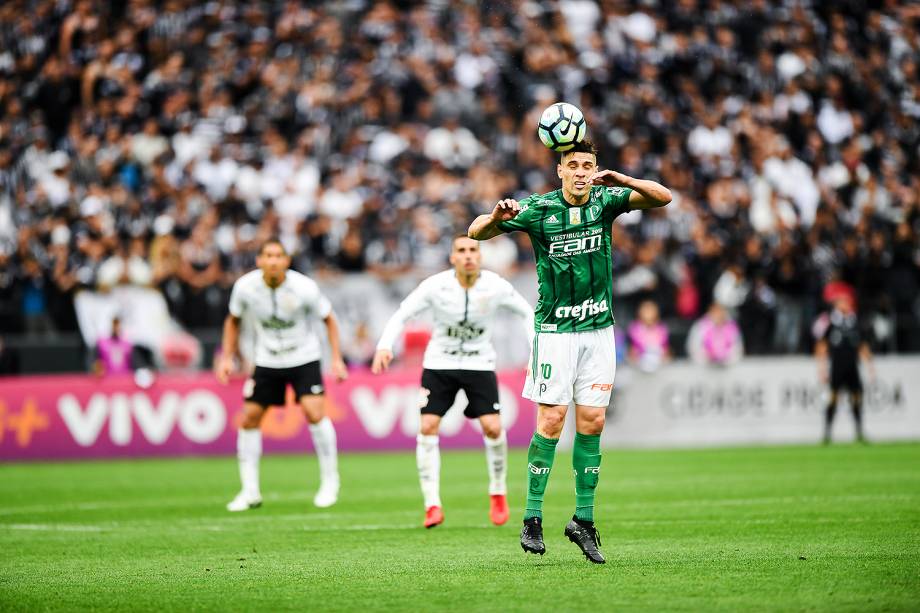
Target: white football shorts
point(566, 366)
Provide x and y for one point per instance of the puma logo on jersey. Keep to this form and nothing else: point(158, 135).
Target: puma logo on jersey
point(580, 311)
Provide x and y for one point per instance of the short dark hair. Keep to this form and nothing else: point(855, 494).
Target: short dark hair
point(586, 145)
point(274, 240)
point(457, 236)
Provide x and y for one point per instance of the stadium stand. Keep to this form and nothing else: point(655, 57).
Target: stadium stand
point(155, 144)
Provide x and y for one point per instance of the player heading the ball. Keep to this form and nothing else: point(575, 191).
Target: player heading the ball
point(574, 354)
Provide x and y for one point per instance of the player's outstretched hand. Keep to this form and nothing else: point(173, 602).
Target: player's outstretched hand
point(609, 178)
point(339, 370)
point(506, 209)
point(224, 368)
point(381, 361)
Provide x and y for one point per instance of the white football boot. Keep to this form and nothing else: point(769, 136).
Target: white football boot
point(328, 494)
point(243, 502)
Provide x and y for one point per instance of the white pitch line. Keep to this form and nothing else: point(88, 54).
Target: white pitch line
point(623, 503)
point(151, 503)
point(108, 504)
point(53, 527)
point(122, 527)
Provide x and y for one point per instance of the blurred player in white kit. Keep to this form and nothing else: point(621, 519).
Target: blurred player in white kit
point(460, 356)
point(279, 304)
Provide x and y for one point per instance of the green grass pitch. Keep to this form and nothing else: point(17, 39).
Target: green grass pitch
point(785, 529)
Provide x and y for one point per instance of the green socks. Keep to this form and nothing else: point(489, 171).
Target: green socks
point(586, 460)
point(539, 462)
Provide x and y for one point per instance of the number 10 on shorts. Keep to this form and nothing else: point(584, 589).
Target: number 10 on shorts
point(546, 370)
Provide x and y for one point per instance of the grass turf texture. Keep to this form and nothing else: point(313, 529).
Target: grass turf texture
point(743, 529)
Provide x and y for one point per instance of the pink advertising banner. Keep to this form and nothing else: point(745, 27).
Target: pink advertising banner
point(81, 416)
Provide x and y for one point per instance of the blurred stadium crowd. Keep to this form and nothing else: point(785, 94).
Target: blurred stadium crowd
point(158, 142)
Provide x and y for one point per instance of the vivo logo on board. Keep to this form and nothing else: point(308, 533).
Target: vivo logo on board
point(395, 408)
point(200, 416)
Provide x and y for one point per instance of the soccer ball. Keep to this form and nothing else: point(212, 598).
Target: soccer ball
point(561, 126)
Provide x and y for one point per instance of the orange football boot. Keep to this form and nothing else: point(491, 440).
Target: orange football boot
point(498, 509)
point(433, 517)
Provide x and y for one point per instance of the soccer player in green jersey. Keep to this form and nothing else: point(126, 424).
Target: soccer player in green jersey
point(573, 356)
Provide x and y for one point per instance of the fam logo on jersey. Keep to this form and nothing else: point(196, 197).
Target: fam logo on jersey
point(616, 191)
point(575, 243)
point(580, 311)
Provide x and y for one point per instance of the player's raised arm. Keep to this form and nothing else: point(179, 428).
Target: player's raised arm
point(646, 194)
point(485, 227)
point(230, 346)
point(414, 303)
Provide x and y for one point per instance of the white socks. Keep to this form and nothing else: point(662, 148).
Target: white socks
point(248, 452)
point(428, 460)
point(324, 442)
point(497, 461)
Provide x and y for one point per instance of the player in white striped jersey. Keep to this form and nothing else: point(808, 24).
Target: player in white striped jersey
point(279, 304)
point(459, 355)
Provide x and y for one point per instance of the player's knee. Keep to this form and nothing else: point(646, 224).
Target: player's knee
point(551, 423)
point(429, 425)
point(491, 430)
point(428, 429)
point(594, 424)
point(251, 421)
point(313, 409)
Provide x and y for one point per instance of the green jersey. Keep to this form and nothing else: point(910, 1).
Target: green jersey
point(572, 249)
